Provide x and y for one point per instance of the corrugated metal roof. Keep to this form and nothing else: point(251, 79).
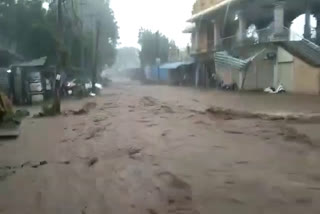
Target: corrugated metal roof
point(33, 63)
point(224, 59)
point(174, 65)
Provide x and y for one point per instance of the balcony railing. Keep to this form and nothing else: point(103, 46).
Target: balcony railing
point(252, 37)
point(256, 37)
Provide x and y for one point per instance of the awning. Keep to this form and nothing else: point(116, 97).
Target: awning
point(189, 29)
point(175, 65)
point(33, 63)
point(209, 10)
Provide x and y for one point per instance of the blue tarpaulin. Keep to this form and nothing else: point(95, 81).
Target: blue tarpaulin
point(162, 73)
point(174, 65)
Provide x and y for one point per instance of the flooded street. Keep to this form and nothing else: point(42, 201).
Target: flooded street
point(156, 150)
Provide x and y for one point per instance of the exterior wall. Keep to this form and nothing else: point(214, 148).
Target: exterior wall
point(228, 75)
point(284, 70)
point(260, 72)
point(306, 77)
point(285, 76)
point(202, 46)
point(296, 75)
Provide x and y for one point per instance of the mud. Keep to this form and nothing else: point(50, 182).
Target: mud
point(84, 110)
point(229, 114)
point(152, 149)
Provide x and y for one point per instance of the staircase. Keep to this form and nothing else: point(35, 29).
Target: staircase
point(305, 50)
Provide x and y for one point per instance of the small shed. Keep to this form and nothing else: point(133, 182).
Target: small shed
point(27, 82)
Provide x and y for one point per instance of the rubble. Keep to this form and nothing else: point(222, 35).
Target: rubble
point(133, 151)
point(84, 110)
point(93, 161)
point(148, 101)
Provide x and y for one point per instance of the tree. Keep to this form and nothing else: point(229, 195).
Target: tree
point(33, 31)
point(109, 35)
point(174, 52)
point(26, 25)
point(153, 45)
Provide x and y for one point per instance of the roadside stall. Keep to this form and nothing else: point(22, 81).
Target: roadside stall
point(28, 82)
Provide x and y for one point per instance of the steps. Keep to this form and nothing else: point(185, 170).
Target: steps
point(305, 50)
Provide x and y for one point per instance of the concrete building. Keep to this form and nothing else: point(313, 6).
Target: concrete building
point(244, 28)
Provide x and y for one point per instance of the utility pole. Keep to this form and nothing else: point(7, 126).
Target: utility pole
point(57, 99)
point(96, 56)
point(158, 60)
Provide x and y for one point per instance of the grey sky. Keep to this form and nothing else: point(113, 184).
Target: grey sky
point(167, 16)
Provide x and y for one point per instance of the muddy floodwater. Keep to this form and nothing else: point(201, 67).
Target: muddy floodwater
point(156, 150)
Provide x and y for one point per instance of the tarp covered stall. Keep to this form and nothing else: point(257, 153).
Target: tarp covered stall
point(169, 73)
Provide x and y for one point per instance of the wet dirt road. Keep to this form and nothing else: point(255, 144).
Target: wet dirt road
point(140, 150)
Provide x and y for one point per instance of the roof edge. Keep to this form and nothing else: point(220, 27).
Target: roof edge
point(209, 10)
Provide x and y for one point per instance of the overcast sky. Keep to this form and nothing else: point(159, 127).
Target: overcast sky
point(167, 16)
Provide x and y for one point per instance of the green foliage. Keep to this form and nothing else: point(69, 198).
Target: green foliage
point(26, 24)
point(153, 45)
point(109, 35)
point(34, 31)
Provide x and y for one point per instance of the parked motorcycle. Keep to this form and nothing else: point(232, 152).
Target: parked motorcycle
point(228, 87)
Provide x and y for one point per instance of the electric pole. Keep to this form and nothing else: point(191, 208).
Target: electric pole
point(57, 99)
point(96, 56)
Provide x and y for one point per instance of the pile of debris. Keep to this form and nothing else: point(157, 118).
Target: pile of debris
point(9, 120)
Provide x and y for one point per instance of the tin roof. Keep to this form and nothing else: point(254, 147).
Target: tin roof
point(224, 59)
point(33, 63)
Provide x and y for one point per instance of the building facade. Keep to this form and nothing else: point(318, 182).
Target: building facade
point(246, 27)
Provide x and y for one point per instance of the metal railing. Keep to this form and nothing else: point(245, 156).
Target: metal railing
point(255, 37)
point(298, 37)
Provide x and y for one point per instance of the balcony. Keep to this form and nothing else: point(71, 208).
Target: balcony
point(250, 38)
point(255, 37)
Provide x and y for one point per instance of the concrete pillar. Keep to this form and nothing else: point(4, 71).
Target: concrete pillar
point(217, 33)
point(242, 27)
point(279, 17)
point(318, 28)
point(197, 75)
point(307, 26)
point(196, 36)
